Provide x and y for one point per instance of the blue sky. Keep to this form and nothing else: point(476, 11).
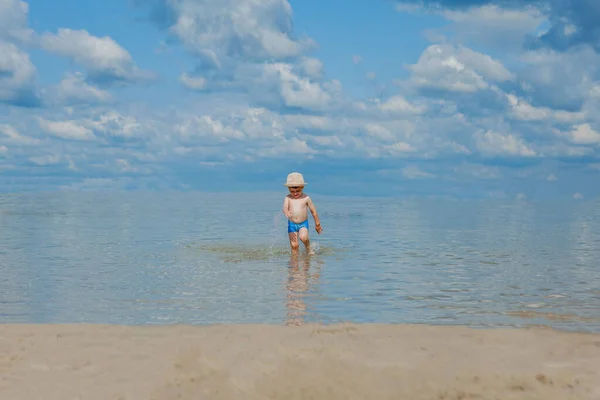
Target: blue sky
point(448, 98)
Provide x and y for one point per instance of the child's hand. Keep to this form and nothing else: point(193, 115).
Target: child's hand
point(289, 214)
point(318, 228)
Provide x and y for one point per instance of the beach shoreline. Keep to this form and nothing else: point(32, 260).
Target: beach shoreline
point(313, 361)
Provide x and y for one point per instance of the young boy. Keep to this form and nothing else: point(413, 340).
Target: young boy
point(295, 207)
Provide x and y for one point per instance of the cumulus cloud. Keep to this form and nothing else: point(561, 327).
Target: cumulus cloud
point(490, 25)
point(246, 29)
point(494, 26)
point(495, 143)
point(105, 60)
point(66, 129)
point(522, 110)
point(193, 82)
point(73, 89)
point(207, 127)
point(548, 74)
point(311, 67)
point(17, 76)
point(297, 91)
point(571, 22)
point(395, 149)
point(13, 21)
point(10, 135)
point(583, 134)
point(456, 69)
point(399, 105)
point(249, 46)
point(560, 80)
point(49, 159)
point(112, 124)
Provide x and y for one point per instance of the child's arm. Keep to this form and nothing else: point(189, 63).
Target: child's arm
point(315, 215)
point(286, 207)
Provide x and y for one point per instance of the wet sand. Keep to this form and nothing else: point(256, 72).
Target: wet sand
point(53, 362)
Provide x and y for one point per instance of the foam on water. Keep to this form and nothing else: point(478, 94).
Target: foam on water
point(240, 252)
point(272, 246)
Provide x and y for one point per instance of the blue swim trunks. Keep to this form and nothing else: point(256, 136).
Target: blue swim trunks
point(294, 227)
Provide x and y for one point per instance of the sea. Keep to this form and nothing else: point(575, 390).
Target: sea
point(159, 258)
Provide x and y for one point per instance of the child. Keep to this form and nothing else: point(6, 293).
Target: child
point(295, 207)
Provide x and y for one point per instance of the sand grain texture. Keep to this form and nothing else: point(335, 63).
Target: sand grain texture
point(53, 362)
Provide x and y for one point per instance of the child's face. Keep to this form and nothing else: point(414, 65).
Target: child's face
point(296, 191)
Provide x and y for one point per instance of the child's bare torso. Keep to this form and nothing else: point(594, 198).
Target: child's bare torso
point(298, 208)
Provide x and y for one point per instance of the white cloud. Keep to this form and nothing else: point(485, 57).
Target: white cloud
point(284, 148)
point(494, 26)
point(51, 159)
point(114, 124)
point(495, 143)
point(74, 90)
point(13, 21)
point(104, 58)
point(66, 129)
point(399, 104)
point(456, 69)
point(356, 59)
point(193, 82)
point(379, 132)
point(249, 29)
point(585, 134)
point(565, 150)
point(577, 196)
point(327, 141)
point(17, 74)
point(399, 148)
point(471, 170)
point(413, 172)
point(582, 134)
point(312, 67)
point(524, 111)
point(311, 122)
point(551, 178)
point(560, 80)
point(248, 45)
point(9, 134)
point(207, 126)
point(297, 91)
point(274, 85)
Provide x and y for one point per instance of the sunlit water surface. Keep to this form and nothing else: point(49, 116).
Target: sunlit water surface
point(194, 258)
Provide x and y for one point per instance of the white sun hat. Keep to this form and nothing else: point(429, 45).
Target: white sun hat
point(295, 179)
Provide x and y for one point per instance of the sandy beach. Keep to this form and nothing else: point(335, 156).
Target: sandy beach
point(53, 362)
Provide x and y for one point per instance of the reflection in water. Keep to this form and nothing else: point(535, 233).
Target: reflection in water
point(298, 286)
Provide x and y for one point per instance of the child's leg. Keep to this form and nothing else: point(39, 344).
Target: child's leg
point(304, 238)
point(293, 241)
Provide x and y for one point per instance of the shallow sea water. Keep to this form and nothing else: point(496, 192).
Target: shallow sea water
point(197, 258)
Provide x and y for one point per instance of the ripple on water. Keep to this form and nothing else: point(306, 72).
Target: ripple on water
point(158, 258)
